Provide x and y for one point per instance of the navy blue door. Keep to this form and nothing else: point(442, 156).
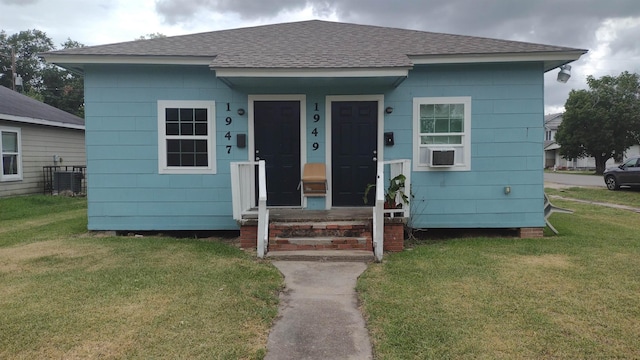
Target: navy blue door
point(354, 134)
point(277, 142)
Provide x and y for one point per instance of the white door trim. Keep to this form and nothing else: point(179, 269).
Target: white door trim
point(380, 141)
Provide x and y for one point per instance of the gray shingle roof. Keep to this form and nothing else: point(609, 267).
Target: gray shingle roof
point(15, 104)
point(314, 44)
point(552, 121)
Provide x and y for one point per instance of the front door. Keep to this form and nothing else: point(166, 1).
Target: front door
point(277, 142)
point(354, 134)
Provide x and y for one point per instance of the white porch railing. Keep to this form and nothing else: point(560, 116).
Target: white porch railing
point(396, 167)
point(243, 193)
point(378, 215)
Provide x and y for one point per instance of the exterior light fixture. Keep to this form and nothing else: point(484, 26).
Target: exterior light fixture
point(564, 74)
point(388, 110)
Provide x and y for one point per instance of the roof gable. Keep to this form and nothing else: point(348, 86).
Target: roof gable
point(313, 44)
point(17, 107)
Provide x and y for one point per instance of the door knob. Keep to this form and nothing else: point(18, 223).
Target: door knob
point(375, 158)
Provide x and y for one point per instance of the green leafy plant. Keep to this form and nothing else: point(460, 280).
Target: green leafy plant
point(392, 192)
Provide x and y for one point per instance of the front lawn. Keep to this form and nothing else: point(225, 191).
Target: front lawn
point(65, 293)
point(572, 296)
point(624, 196)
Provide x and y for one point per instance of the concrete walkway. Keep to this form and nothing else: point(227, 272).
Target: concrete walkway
point(319, 316)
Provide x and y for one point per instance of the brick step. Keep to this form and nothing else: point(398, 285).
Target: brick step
point(320, 243)
point(320, 229)
point(322, 255)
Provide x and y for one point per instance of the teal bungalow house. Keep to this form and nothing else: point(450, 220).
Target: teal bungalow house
point(238, 129)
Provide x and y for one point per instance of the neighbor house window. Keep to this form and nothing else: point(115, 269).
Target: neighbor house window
point(10, 144)
point(442, 133)
point(186, 137)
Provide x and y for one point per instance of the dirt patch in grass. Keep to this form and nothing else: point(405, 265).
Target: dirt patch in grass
point(548, 260)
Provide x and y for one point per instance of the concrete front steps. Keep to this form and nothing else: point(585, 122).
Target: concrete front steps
point(335, 240)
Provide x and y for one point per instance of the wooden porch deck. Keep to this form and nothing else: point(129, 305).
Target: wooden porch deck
point(341, 213)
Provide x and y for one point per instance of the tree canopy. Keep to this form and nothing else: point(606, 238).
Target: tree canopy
point(602, 121)
point(46, 82)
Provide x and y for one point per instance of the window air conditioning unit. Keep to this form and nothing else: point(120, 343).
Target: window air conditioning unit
point(442, 157)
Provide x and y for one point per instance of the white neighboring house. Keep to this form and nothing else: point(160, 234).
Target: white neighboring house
point(552, 157)
point(32, 133)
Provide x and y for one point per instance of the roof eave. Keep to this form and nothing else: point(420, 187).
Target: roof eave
point(551, 60)
point(312, 72)
point(29, 120)
point(76, 63)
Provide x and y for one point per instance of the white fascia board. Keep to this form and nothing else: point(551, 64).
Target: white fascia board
point(320, 73)
point(28, 120)
point(124, 59)
point(555, 57)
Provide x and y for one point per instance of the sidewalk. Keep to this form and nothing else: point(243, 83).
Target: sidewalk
point(319, 316)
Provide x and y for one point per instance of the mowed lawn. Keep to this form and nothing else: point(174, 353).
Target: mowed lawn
point(572, 296)
point(66, 293)
point(69, 294)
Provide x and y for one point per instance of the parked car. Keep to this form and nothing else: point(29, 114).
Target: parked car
point(627, 174)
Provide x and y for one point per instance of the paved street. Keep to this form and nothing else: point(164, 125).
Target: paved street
point(573, 180)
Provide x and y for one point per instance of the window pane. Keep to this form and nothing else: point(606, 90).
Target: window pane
point(186, 129)
point(456, 125)
point(201, 146)
point(202, 160)
point(173, 146)
point(187, 153)
point(9, 142)
point(173, 159)
point(201, 114)
point(441, 140)
point(442, 126)
point(173, 129)
point(187, 159)
point(201, 128)
point(186, 114)
point(10, 164)
point(171, 115)
point(187, 146)
point(426, 125)
point(442, 111)
point(427, 111)
point(456, 111)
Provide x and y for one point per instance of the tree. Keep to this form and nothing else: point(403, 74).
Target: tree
point(150, 36)
point(603, 121)
point(54, 85)
point(61, 88)
point(26, 45)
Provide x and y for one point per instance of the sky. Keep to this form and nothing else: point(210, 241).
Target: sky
point(609, 29)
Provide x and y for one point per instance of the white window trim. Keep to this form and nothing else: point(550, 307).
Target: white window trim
point(210, 137)
point(466, 136)
point(18, 176)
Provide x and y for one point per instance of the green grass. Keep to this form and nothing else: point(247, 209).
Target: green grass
point(572, 172)
point(629, 197)
point(65, 293)
point(571, 296)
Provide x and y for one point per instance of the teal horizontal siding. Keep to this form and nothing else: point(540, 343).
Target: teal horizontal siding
point(127, 193)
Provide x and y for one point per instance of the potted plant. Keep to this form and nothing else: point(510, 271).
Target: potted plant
point(393, 193)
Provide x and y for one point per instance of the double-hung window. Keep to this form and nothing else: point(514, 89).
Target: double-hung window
point(442, 133)
point(10, 147)
point(186, 137)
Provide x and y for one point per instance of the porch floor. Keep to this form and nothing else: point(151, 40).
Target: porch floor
point(340, 213)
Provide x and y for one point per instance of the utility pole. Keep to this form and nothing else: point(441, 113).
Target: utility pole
point(14, 76)
point(13, 68)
